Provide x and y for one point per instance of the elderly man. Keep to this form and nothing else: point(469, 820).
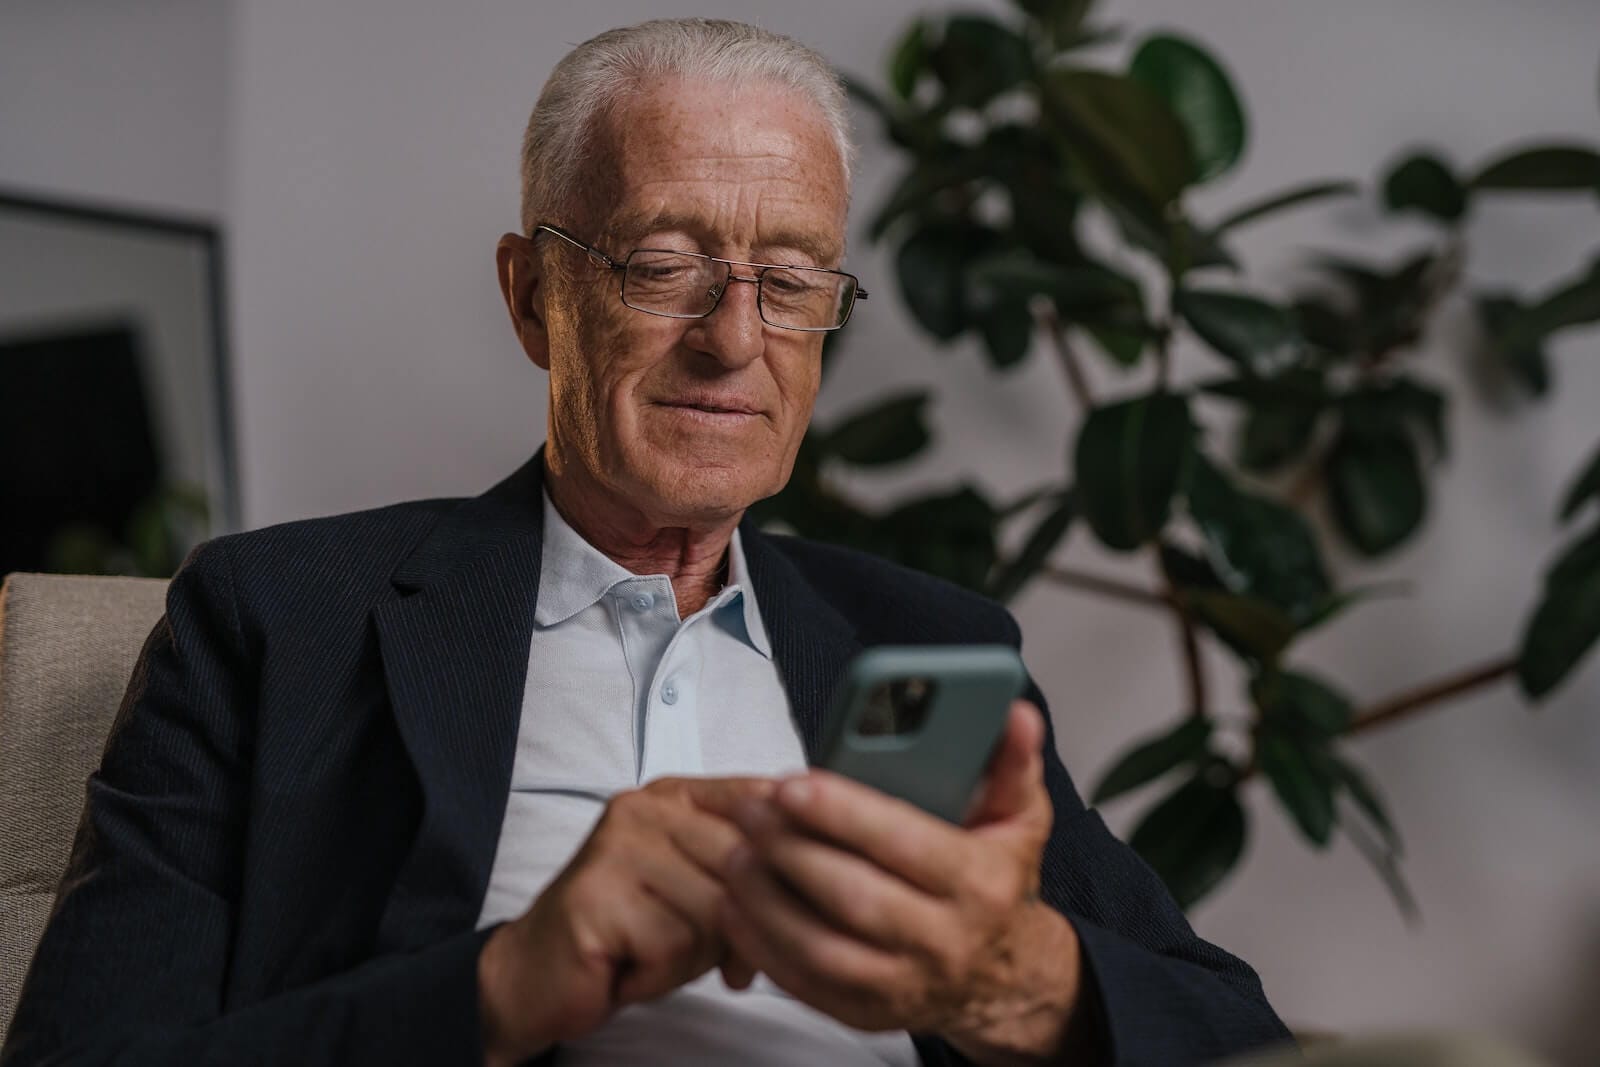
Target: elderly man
point(525, 775)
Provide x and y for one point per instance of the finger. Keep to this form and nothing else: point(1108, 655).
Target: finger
point(845, 889)
point(802, 955)
point(719, 796)
point(1014, 781)
point(923, 849)
point(736, 973)
point(683, 885)
point(704, 839)
point(663, 949)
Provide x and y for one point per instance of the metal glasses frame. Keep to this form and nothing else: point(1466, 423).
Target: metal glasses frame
point(600, 259)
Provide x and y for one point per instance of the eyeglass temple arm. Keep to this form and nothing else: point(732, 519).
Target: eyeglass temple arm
point(591, 251)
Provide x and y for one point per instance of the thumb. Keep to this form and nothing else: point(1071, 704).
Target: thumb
point(1016, 771)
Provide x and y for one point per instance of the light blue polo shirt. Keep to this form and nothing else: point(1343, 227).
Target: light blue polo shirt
point(620, 691)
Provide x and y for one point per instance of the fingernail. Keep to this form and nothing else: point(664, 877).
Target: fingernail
point(796, 792)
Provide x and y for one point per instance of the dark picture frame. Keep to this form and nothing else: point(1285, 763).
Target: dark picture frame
point(184, 355)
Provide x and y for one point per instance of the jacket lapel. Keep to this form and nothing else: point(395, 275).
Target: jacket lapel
point(811, 642)
point(455, 656)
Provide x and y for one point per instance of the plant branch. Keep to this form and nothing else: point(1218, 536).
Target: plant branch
point(1305, 483)
point(1412, 701)
point(1076, 379)
point(1407, 703)
point(1109, 587)
point(1194, 667)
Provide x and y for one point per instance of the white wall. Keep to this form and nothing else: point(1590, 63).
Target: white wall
point(116, 101)
point(373, 161)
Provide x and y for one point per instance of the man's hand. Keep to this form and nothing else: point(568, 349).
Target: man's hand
point(885, 917)
point(632, 917)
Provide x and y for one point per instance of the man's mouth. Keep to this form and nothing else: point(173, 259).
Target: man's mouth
point(713, 407)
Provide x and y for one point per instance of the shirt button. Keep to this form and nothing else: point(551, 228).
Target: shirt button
point(642, 601)
point(669, 693)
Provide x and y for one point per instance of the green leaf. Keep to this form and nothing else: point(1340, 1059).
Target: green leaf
point(1397, 407)
point(891, 432)
point(1391, 304)
point(1291, 198)
point(934, 172)
point(1376, 490)
point(1174, 242)
point(1128, 461)
point(1271, 437)
point(1326, 326)
point(1384, 862)
point(1123, 346)
point(1254, 629)
point(1516, 347)
point(1257, 546)
point(1144, 763)
point(909, 60)
point(1299, 703)
point(1198, 91)
point(1015, 574)
point(950, 535)
point(1566, 624)
point(1574, 304)
point(1546, 167)
point(1366, 798)
point(1260, 337)
point(1083, 292)
point(1193, 838)
point(1007, 330)
point(1585, 487)
point(1425, 183)
point(1124, 137)
point(1302, 390)
point(1062, 20)
point(977, 59)
point(1304, 787)
point(931, 267)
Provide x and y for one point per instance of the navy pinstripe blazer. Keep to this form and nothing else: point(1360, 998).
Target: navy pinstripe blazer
point(286, 846)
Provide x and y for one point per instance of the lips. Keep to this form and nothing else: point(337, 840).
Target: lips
point(713, 405)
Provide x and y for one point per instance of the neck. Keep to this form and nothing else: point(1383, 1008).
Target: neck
point(693, 554)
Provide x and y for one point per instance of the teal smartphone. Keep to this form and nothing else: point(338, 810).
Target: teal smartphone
point(920, 722)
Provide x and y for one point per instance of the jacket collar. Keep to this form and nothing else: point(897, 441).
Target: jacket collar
point(455, 656)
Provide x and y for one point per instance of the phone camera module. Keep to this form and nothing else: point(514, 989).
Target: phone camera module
point(897, 708)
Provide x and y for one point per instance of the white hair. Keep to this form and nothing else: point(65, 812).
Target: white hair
point(593, 76)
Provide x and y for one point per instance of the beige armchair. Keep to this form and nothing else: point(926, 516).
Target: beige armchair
point(67, 647)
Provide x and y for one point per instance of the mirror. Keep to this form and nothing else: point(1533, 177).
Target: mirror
point(116, 438)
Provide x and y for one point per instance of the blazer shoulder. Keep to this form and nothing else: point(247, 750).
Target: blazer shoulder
point(351, 555)
point(893, 602)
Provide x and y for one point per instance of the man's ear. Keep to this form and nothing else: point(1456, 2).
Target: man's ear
point(523, 284)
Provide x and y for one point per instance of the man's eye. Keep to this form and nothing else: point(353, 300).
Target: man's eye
point(656, 272)
point(787, 284)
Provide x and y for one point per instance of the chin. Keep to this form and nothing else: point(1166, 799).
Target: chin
point(694, 489)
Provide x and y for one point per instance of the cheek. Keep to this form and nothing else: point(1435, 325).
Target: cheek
point(799, 374)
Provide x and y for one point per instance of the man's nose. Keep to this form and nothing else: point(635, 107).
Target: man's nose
point(733, 333)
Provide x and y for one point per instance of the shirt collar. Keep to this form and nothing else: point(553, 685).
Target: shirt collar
point(574, 575)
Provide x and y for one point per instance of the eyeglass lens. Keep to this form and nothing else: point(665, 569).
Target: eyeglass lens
point(681, 285)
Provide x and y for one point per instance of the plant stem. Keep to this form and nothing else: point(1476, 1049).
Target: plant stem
point(1109, 587)
point(1413, 700)
point(1194, 667)
point(1305, 484)
point(1410, 702)
point(1076, 379)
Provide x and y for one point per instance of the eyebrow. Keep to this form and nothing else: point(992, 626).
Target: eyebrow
point(822, 250)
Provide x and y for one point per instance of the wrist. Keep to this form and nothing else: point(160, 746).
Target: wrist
point(507, 1037)
point(1041, 1016)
